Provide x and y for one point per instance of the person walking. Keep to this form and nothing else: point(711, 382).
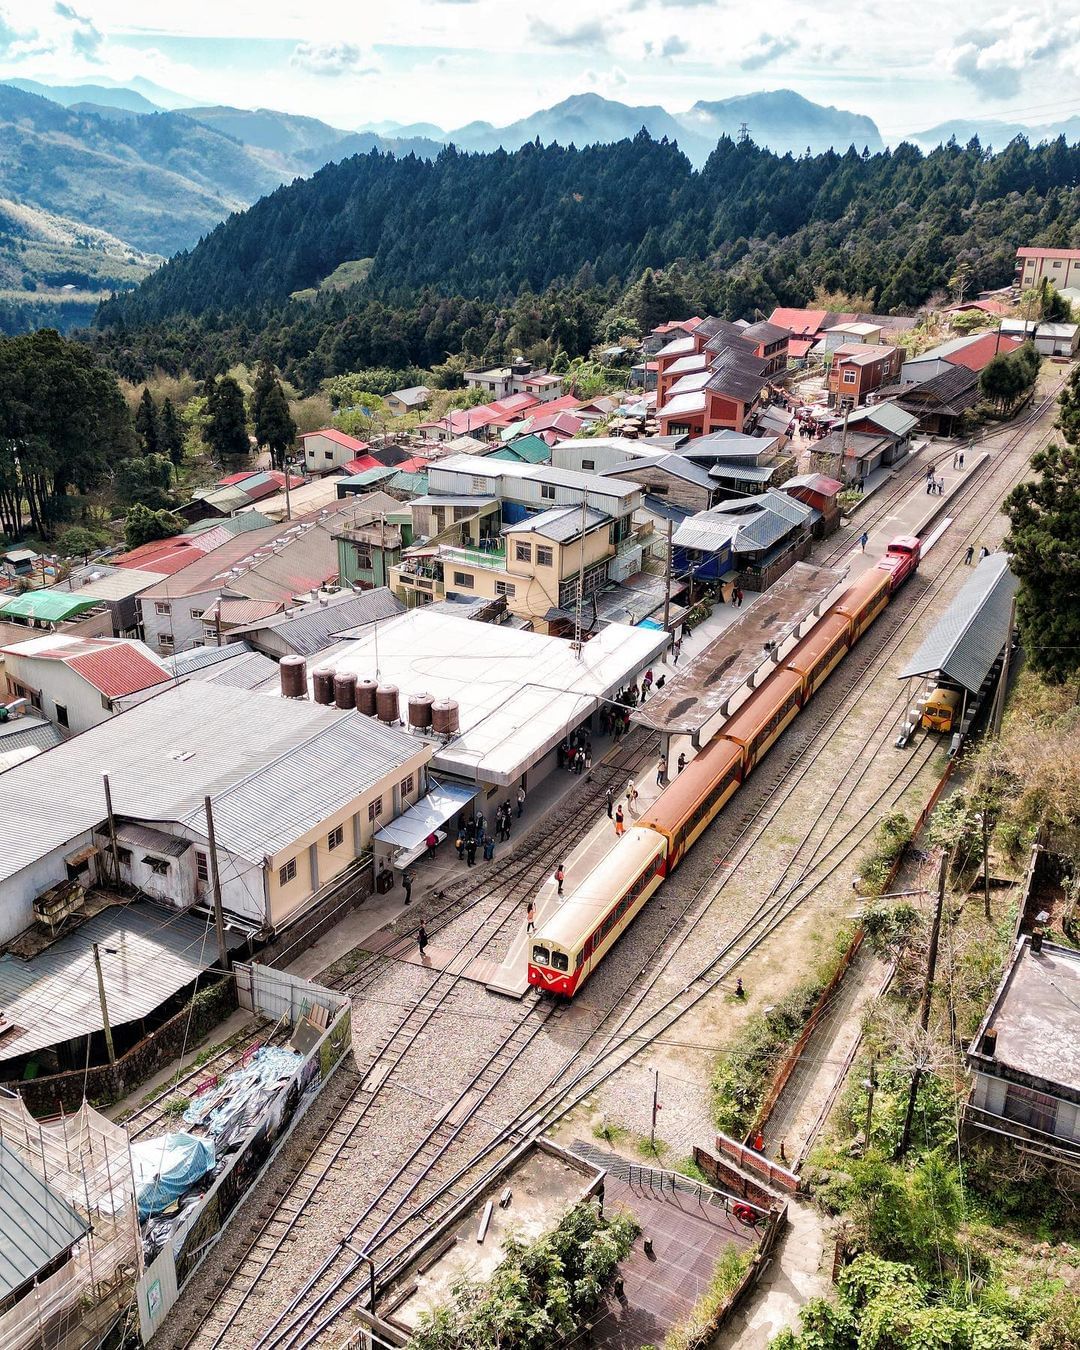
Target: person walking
point(738, 597)
point(961, 463)
point(459, 844)
point(631, 793)
point(521, 801)
point(432, 842)
point(421, 940)
point(588, 756)
point(489, 848)
point(618, 820)
point(864, 539)
point(969, 555)
point(929, 483)
point(941, 487)
point(406, 881)
point(470, 850)
point(661, 773)
point(676, 648)
point(956, 459)
point(609, 798)
point(530, 918)
point(560, 877)
point(984, 552)
point(681, 764)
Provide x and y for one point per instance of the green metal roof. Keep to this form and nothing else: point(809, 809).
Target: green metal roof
point(52, 606)
point(526, 450)
point(367, 476)
point(409, 482)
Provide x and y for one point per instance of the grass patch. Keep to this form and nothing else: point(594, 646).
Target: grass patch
point(652, 1148)
point(694, 1330)
point(687, 1167)
point(176, 1107)
point(893, 836)
point(345, 965)
point(610, 1131)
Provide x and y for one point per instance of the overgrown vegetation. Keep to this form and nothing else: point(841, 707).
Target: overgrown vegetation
point(892, 837)
point(540, 1294)
point(692, 1332)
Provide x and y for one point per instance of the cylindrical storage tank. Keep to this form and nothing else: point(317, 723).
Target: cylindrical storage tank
point(293, 677)
point(444, 717)
point(365, 696)
point(388, 703)
point(420, 711)
point(322, 679)
point(345, 689)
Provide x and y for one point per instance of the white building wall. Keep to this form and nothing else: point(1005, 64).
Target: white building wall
point(183, 622)
point(18, 892)
point(323, 455)
point(59, 687)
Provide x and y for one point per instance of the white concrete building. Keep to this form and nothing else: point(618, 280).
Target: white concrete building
point(327, 450)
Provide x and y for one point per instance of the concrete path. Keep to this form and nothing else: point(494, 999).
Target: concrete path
point(799, 1271)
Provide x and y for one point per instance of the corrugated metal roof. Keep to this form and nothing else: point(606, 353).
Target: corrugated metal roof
point(196, 658)
point(560, 524)
point(50, 606)
point(413, 826)
point(119, 669)
point(889, 416)
point(405, 481)
point(250, 670)
point(970, 635)
point(36, 1224)
point(308, 630)
point(27, 732)
point(743, 473)
point(108, 583)
point(145, 836)
point(166, 754)
point(53, 997)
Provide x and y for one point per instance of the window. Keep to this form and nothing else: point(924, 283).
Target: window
point(159, 866)
point(124, 854)
point(336, 837)
point(374, 810)
point(197, 613)
point(202, 866)
point(362, 556)
point(522, 552)
point(62, 715)
point(886, 368)
point(505, 588)
point(328, 454)
point(849, 377)
point(1027, 1107)
point(465, 580)
point(479, 483)
point(165, 641)
point(287, 872)
point(406, 786)
point(560, 960)
point(541, 956)
point(162, 607)
point(1056, 263)
point(588, 463)
point(547, 491)
point(545, 557)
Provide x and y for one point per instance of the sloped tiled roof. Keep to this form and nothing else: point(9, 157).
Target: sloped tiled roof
point(115, 667)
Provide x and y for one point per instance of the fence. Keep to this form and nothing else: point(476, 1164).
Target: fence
point(275, 994)
point(749, 1160)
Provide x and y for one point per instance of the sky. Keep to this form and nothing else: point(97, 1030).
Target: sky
point(352, 63)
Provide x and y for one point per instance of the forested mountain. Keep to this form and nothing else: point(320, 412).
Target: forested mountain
point(486, 253)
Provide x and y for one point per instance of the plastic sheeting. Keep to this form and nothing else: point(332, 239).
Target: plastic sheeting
point(166, 1167)
point(226, 1111)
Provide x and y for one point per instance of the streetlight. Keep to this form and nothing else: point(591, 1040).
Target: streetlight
point(109, 1047)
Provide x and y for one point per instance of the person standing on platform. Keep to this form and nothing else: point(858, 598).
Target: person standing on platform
point(560, 877)
point(530, 918)
point(470, 849)
point(489, 848)
point(682, 763)
point(421, 940)
point(459, 844)
point(661, 773)
point(676, 648)
point(619, 819)
point(406, 881)
point(969, 555)
point(609, 798)
point(864, 539)
point(432, 844)
point(521, 801)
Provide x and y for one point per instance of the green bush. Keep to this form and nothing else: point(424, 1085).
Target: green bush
point(893, 836)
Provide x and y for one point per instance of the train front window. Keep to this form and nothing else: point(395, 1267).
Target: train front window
point(560, 960)
point(541, 956)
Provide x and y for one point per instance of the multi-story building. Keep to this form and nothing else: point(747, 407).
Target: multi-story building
point(520, 377)
point(1060, 266)
point(858, 369)
point(716, 378)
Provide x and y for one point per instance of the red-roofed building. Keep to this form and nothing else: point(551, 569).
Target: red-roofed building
point(79, 682)
point(801, 323)
point(169, 556)
point(1059, 266)
point(327, 450)
point(973, 352)
point(361, 464)
point(980, 353)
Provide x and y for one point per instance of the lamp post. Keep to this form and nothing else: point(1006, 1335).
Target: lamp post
point(109, 1047)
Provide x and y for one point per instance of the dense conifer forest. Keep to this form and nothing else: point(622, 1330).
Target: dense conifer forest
point(474, 252)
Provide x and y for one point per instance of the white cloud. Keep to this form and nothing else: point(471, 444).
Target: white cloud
point(330, 58)
point(586, 35)
point(764, 50)
point(1017, 47)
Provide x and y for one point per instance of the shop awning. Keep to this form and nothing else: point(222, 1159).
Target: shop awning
point(413, 826)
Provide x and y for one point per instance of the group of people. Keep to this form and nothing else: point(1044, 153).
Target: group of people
point(934, 484)
point(984, 552)
point(575, 753)
point(474, 834)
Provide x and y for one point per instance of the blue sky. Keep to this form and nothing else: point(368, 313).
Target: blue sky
point(353, 62)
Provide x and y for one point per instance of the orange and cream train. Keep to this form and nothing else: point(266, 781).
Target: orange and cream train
point(569, 946)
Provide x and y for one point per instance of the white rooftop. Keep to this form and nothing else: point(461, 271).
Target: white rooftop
point(518, 693)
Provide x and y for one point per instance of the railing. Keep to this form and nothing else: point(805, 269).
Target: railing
point(475, 557)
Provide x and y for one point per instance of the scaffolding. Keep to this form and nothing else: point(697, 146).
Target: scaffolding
point(83, 1158)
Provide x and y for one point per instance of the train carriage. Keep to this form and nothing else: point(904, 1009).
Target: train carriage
point(692, 800)
point(864, 600)
point(820, 652)
point(764, 715)
point(568, 947)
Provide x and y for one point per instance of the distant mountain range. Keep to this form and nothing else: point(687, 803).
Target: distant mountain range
point(994, 133)
point(151, 171)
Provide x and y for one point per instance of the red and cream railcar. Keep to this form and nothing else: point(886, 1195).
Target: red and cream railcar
point(864, 600)
point(820, 652)
point(690, 801)
point(570, 945)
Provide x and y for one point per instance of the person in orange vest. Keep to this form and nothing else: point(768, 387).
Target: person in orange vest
point(619, 819)
point(559, 877)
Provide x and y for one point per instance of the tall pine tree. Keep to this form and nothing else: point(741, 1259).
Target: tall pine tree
point(227, 427)
point(270, 416)
point(146, 424)
point(171, 432)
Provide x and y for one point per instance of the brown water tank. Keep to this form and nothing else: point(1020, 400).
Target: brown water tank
point(365, 696)
point(420, 710)
point(293, 677)
point(388, 703)
point(322, 679)
point(444, 717)
point(345, 689)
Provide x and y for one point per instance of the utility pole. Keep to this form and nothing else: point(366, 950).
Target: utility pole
point(215, 880)
point(655, 1108)
point(667, 580)
point(871, 1084)
point(109, 1047)
point(581, 575)
point(112, 829)
point(927, 996)
point(288, 508)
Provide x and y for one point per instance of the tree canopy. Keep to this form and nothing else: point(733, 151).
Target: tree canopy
point(141, 525)
point(227, 426)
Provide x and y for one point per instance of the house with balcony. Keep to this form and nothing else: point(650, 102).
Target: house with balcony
point(860, 368)
point(519, 377)
point(1025, 1058)
point(712, 380)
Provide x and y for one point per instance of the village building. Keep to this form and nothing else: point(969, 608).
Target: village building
point(520, 377)
point(306, 629)
point(116, 588)
point(80, 682)
point(1025, 1057)
point(858, 370)
point(940, 402)
point(297, 792)
point(402, 401)
point(238, 492)
point(822, 493)
point(974, 352)
point(1050, 339)
point(1059, 266)
point(328, 450)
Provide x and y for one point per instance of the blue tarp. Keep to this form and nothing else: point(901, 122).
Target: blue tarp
point(165, 1168)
